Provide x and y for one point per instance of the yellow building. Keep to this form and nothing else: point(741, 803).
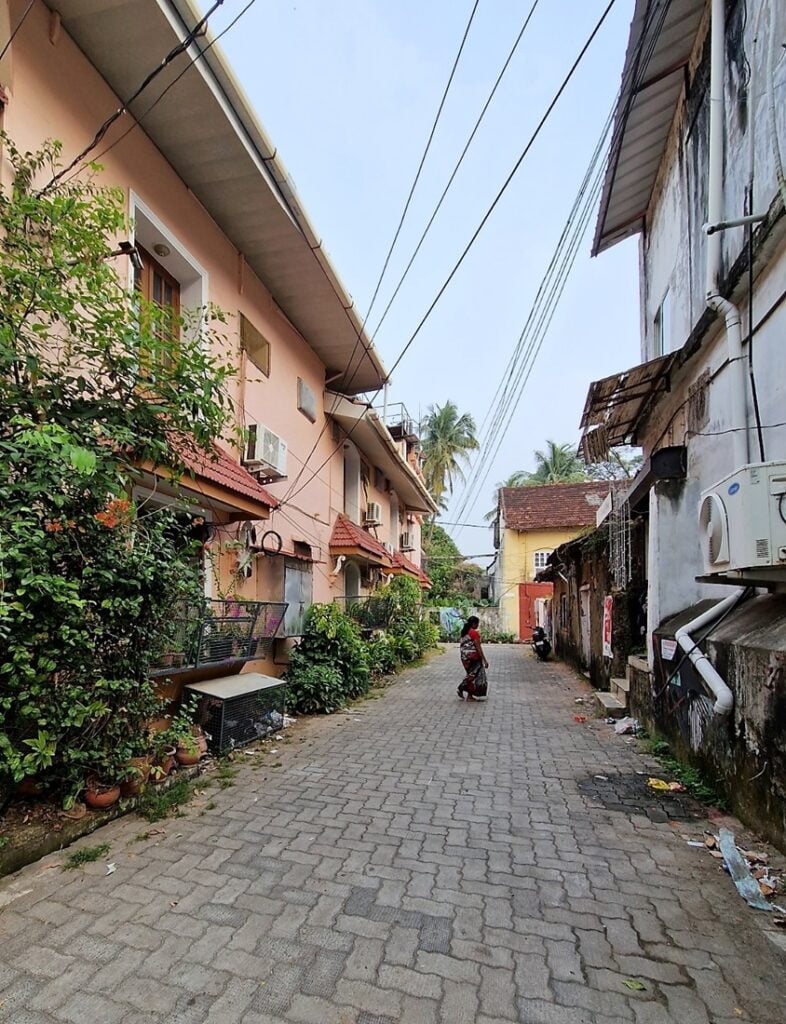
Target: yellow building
point(531, 522)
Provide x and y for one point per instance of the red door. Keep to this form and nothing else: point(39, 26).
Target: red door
point(528, 593)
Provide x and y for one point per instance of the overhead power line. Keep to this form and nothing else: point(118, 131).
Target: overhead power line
point(18, 26)
point(391, 247)
point(481, 225)
point(519, 368)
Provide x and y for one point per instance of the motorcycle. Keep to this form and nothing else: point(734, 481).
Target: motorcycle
point(541, 643)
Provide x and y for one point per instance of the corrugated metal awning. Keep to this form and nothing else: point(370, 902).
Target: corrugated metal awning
point(616, 405)
point(662, 36)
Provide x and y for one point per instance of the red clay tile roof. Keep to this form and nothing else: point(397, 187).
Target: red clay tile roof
point(347, 534)
point(402, 563)
point(219, 467)
point(554, 506)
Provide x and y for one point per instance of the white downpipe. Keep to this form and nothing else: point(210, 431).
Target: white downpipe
point(724, 698)
point(730, 312)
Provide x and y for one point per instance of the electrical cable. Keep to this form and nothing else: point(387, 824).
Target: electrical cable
point(392, 245)
point(173, 54)
point(512, 382)
point(19, 24)
point(455, 170)
point(486, 216)
point(566, 81)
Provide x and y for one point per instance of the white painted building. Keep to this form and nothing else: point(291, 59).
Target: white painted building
point(656, 186)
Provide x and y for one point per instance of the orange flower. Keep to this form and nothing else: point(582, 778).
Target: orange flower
point(53, 527)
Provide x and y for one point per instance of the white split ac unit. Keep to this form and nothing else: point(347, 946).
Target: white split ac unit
point(266, 452)
point(373, 514)
point(742, 519)
point(407, 542)
point(388, 547)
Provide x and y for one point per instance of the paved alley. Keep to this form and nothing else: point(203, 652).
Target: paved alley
point(417, 861)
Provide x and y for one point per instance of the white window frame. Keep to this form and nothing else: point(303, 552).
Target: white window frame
point(662, 326)
point(148, 230)
point(545, 552)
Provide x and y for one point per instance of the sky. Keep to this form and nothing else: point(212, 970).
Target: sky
point(348, 91)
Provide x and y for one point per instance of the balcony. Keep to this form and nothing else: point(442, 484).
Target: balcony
point(218, 633)
point(401, 426)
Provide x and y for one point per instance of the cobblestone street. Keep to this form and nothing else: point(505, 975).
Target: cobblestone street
point(418, 860)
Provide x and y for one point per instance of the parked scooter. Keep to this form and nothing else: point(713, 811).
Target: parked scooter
point(541, 643)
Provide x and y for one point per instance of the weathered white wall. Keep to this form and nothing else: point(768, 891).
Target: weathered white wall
point(672, 255)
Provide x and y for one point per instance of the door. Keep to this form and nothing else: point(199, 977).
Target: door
point(529, 594)
point(298, 593)
point(584, 610)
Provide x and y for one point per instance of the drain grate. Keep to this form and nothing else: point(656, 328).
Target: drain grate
point(630, 794)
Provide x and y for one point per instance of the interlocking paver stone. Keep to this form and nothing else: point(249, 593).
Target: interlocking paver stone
point(420, 861)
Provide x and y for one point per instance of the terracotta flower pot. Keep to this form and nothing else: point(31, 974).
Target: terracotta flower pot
point(188, 755)
point(133, 785)
point(30, 786)
point(163, 765)
point(99, 799)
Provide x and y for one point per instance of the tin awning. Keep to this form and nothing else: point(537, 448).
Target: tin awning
point(616, 406)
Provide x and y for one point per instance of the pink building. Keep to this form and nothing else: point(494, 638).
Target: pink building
point(327, 498)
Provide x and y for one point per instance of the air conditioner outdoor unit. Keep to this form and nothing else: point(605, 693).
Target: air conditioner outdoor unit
point(266, 452)
point(388, 547)
point(373, 514)
point(742, 519)
point(407, 542)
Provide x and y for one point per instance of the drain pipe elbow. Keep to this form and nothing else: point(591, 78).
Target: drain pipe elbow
point(724, 698)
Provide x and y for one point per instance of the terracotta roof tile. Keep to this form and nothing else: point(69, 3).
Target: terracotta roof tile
point(347, 534)
point(554, 506)
point(219, 467)
point(401, 562)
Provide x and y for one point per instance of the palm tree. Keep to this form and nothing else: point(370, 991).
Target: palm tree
point(518, 479)
point(559, 464)
point(447, 440)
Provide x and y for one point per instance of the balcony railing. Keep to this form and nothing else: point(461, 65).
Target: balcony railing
point(401, 426)
point(218, 632)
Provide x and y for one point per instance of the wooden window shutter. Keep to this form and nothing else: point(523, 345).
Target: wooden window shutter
point(255, 345)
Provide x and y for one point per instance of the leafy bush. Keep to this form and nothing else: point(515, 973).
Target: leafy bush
point(425, 635)
point(92, 386)
point(316, 689)
point(382, 659)
point(331, 640)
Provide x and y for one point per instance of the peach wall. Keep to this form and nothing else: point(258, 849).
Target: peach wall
point(56, 93)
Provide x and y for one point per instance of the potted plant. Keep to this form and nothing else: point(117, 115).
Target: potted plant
point(163, 756)
point(99, 793)
point(186, 735)
point(136, 769)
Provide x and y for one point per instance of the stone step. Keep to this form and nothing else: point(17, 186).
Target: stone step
point(612, 706)
point(620, 683)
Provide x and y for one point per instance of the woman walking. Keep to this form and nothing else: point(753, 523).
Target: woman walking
point(474, 661)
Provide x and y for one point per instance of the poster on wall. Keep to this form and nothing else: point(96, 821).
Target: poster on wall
point(608, 605)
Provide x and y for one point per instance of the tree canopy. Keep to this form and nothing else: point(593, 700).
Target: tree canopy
point(447, 438)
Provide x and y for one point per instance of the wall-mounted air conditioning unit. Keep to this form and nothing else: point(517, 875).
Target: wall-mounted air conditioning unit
point(266, 452)
point(742, 520)
point(388, 547)
point(407, 541)
point(373, 514)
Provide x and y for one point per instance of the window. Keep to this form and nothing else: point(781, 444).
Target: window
point(255, 345)
point(541, 558)
point(157, 285)
point(301, 548)
point(306, 400)
point(663, 326)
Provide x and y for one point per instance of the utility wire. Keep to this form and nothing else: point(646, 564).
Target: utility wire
point(18, 26)
point(173, 54)
point(455, 171)
point(511, 384)
point(485, 218)
point(392, 245)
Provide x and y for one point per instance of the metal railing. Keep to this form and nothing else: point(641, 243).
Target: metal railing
point(218, 631)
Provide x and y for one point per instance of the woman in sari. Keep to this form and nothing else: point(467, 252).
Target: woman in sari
point(474, 683)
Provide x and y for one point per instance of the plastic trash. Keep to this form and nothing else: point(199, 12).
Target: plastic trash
point(736, 865)
point(626, 725)
point(580, 718)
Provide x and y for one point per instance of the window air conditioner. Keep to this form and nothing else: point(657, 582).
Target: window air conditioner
point(742, 519)
point(266, 452)
point(407, 542)
point(373, 514)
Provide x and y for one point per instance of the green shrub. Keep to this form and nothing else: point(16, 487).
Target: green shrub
point(382, 658)
point(331, 641)
point(425, 635)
